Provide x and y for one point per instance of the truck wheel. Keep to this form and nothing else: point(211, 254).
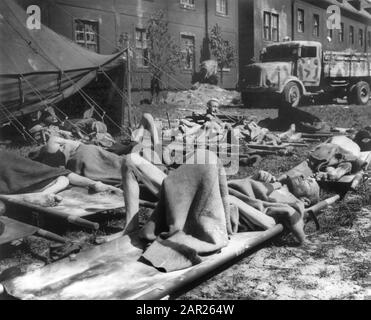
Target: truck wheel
point(361, 93)
point(292, 94)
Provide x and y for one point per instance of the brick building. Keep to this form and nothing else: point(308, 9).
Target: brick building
point(189, 20)
point(266, 21)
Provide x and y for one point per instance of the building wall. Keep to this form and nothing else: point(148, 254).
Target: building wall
point(347, 18)
point(115, 17)
point(251, 25)
point(280, 7)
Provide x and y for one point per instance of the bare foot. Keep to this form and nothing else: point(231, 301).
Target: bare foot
point(43, 200)
point(100, 187)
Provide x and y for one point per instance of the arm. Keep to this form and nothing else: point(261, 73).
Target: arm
point(263, 176)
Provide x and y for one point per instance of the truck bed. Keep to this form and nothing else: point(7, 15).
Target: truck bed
point(346, 64)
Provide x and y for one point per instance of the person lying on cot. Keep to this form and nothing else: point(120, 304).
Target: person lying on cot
point(290, 197)
point(206, 125)
point(93, 161)
point(338, 157)
point(39, 183)
point(89, 130)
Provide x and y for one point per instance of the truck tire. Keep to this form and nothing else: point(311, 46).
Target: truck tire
point(360, 93)
point(292, 94)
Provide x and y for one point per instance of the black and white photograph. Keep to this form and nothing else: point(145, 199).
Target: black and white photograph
point(202, 152)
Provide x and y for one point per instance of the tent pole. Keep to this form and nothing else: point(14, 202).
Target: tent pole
point(128, 82)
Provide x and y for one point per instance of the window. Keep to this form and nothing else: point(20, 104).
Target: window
point(222, 7)
point(141, 48)
point(341, 32)
point(188, 4)
point(300, 20)
point(351, 35)
point(275, 27)
point(188, 52)
point(360, 37)
point(271, 27)
point(316, 25)
point(369, 38)
point(330, 33)
point(86, 34)
point(308, 52)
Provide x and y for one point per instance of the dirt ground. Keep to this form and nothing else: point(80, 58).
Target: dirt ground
point(334, 264)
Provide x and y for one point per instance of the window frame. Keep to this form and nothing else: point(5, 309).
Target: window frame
point(222, 13)
point(85, 43)
point(268, 30)
point(188, 4)
point(342, 32)
point(300, 22)
point(144, 47)
point(351, 35)
point(369, 39)
point(361, 38)
point(316, 28)
point(184, 35)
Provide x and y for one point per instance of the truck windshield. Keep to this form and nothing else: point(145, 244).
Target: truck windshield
point(280, 53)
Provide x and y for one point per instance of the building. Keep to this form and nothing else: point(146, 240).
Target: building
point(99, 24)
point(262, 22)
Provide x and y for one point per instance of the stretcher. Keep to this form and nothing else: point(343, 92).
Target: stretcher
point(77, 204)
point(15, 230)
point(114, 269)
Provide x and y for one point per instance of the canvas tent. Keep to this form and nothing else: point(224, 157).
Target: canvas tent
point(40, 67)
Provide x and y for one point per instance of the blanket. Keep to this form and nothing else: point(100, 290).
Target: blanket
point(192, 218)
point(274, 200)
point(96, 163)
point(22, 175)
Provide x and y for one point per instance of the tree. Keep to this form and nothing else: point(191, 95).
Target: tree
point(164, 55)
point(221, 49)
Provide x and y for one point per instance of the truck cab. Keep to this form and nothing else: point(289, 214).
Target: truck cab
point(293, 69)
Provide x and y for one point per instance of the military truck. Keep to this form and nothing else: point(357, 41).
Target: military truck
point(295, 69)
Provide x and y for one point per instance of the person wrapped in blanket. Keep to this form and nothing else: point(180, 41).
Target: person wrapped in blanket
point(39, 183)
point(338, 157)
point(198, 209)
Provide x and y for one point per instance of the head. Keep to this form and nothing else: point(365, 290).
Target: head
point(48, 117)
point(213, 106)
point(57, 152)
point(305, 189)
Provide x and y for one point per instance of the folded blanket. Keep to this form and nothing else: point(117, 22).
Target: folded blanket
point(22, 175)
point(96, 163)
point(192, 217)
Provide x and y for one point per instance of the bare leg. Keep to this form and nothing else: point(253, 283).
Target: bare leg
point(56, 186)
point(255, 216)
point(135, 167)
point(147, 124)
